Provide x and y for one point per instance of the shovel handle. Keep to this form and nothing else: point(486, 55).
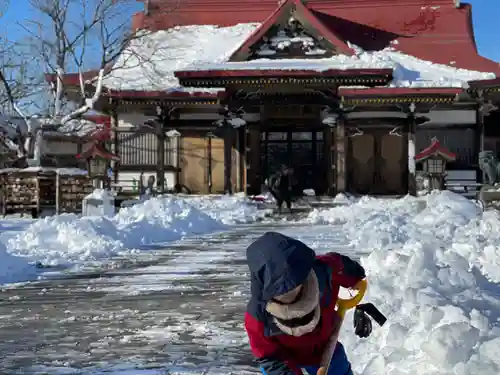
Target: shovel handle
point(350, 303)
point(343, 305)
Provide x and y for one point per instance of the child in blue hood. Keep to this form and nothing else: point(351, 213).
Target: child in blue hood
point(291, 314)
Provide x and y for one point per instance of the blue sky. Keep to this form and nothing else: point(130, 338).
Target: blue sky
point(485, 18)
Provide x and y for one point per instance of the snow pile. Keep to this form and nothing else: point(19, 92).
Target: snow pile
point(99, 203)
point(12, 266)
point(72, 240)
point(229, 210)
point(434, 272)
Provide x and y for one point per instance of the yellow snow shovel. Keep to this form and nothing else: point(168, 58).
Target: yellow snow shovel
point(342, 306)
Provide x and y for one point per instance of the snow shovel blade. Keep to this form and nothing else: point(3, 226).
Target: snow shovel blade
point(375, 313)
point(343, 305)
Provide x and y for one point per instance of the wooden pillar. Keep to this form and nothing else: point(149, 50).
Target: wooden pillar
point(330, 167)
point(209, 162)
point(228, 160)
point(479, 137)
point(412, 168)
point(235, 166)
point(160, 149)
point(340, 156)
point(58, 193)
point(248, 161)
point(252, 151)
point(115, 147)
point(242, 159)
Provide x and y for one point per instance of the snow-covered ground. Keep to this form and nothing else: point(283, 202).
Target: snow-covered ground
point(432, 263)
point(433, 269)
point(74, 241)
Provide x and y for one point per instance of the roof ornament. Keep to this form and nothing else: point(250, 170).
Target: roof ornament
point(396, 131)
point(146, 7)
point(357, 134)
point(457, 3)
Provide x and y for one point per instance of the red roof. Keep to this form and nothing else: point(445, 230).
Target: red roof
point(435, 149)
point(485, 83)
point(436, 31)
point(441, 32)
point(97, 150)
point(304, 12)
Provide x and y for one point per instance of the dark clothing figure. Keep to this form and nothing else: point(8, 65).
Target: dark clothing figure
point(291, 314)
point(281, 187)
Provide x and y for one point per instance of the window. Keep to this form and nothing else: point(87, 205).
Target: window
point(277, 136)
point(435, 166)
point(302, 136)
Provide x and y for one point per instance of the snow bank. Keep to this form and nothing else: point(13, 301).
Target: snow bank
point(71, 240)
point(229, 210)
point(433, 271)
point(12, 266)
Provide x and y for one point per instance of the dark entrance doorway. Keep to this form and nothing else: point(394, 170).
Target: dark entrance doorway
point(377, 163)
point(301, 150)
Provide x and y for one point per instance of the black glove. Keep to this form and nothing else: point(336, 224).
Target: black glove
point(352, 268)
point(362, 322)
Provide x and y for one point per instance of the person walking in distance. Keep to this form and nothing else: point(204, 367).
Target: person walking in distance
point(280, 186)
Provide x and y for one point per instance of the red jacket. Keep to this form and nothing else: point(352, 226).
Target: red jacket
point(277, 352)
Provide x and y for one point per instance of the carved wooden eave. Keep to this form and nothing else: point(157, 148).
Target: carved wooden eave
point(303, 97)
point(391, 96)
point(485, 89)
point(262, 78)
point(169, 102)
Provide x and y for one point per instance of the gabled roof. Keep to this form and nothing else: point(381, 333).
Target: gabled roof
point(97, 150)
point(435, 149)
point(296, 9)
point(438, 31)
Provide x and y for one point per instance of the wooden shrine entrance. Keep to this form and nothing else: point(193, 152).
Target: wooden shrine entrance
point(377, 162)
point(301, 150)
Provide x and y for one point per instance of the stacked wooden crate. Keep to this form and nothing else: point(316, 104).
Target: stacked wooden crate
point(72, 186)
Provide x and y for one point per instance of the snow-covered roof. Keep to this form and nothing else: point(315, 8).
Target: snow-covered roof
point(149, 62)
point(408, 71)
point(61, 171)
point(76, 127)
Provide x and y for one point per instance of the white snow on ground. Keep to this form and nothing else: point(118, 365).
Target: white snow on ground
point(149, 62)
point(434, 271)
point(12, 267)
point(70, 240)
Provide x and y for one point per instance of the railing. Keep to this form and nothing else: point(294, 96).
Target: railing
point(463, 182)
point(141, 148)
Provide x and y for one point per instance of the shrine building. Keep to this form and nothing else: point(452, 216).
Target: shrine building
point(346, 92)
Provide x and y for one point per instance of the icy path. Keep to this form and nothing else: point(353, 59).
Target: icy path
point(180, 313)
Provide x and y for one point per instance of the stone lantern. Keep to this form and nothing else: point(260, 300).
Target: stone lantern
point(98, 162)
point(434, 159)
